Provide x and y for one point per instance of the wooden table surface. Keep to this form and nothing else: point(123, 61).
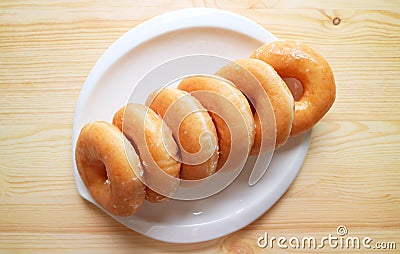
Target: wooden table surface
point(350, 177)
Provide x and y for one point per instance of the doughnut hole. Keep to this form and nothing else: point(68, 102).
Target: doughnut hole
point(99, 172)
point(252, 108)
point(296, 88)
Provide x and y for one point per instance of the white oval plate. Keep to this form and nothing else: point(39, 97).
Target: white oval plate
point(109, 84)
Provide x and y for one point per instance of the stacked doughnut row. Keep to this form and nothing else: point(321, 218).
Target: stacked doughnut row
point(112, 159)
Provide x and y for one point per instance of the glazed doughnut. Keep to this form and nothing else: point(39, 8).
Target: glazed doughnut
point(293, 59)
point(105, 170)
point(193, 129)
point(228, 96)
point(155, 145)
point(244, 73)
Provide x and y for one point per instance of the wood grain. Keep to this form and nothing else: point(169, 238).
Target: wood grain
point(350, 176)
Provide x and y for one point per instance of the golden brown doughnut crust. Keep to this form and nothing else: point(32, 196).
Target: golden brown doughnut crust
point(190, 128)
point(228, 91)
point(293, 59)
point(105, 169)
point(147, 131)
point(279, 95)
